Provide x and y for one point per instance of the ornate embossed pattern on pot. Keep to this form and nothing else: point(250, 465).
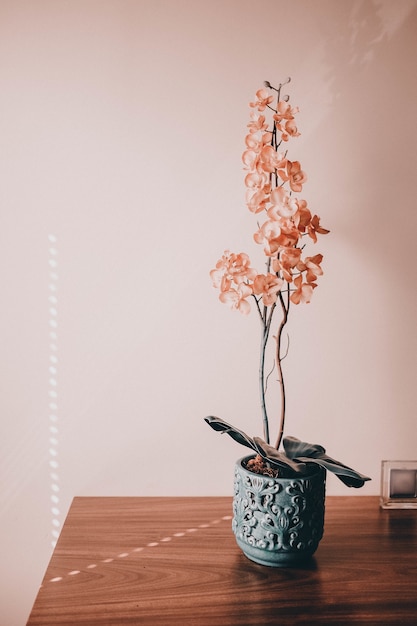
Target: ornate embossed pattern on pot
point(278, 521)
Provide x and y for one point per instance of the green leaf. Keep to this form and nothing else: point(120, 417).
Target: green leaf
point(296, 456)
point(314, 453)
point(276, 458)
point(238, 435)
point(295, 448)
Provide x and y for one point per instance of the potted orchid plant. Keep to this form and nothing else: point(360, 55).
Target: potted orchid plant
point(285, 227)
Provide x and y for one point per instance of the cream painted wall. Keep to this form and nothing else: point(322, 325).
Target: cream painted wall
point(122, 127)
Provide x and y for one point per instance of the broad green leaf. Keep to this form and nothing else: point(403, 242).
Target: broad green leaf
point(238, 435)
point(313, 453)
point(296, 456)
point(295, 448)
point(274, 457)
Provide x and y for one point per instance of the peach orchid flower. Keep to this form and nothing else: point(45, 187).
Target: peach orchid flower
point(252, 156)
point(239, 267)
point(303, 292)
point(256, 180)
point(289, 233)
point(272, 161)
point(236, 298)
point(249, 159)
point(274, 235)
point(258, 140)
point(220, 280)
point(263, 100)
point(234, 267)
point(258, 122)
point(288, 259)
point(311, 266)
point(282, 204)
point(267, 285)
point(295, 175)
point(285, 111)
point(256, 201)
point(303, 216)
point(269, 235)
point(253, 142)
point(314, 227)
point(287, 130)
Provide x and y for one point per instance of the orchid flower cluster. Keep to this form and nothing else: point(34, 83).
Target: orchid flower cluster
point(273, 187)
point(273, 184)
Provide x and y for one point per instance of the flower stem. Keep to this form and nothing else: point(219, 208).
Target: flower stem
point(264, 341)
point(266, 327)
point(284, 319)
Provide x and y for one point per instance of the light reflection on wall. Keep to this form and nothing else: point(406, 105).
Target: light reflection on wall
point(52, 388)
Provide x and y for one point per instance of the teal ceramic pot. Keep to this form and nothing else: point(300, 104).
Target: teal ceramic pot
point(278, 521)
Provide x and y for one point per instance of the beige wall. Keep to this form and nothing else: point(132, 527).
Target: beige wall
point(122, 127)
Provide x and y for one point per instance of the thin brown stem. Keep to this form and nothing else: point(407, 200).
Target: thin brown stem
point(284, 320)
point(264, 341)
point(266, 327)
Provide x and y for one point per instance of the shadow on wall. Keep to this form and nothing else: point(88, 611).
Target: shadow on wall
point(365, 70)
point(376, 105)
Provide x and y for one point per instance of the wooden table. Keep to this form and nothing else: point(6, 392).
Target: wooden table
point(174, 561)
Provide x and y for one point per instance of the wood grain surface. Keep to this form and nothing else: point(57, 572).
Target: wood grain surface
point(175, 561)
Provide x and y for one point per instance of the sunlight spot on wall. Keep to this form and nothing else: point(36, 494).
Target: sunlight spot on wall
point(52, 387)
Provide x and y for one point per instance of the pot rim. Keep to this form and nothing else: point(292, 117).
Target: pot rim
point(315, 471)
